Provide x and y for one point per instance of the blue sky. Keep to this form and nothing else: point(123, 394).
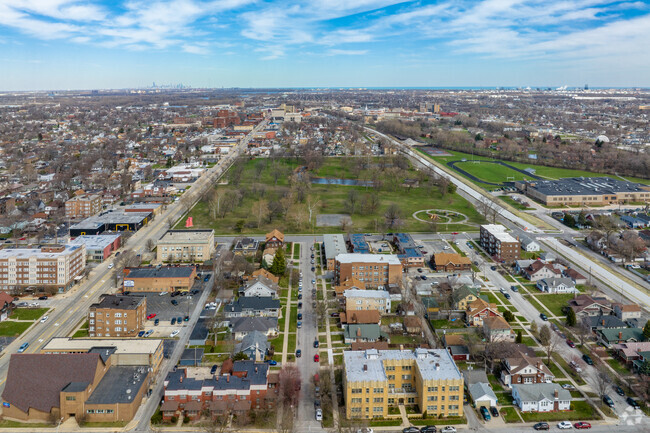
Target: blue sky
point(69, 44)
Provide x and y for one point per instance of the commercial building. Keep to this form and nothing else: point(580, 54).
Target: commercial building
point(499, 244)
point(371, 269)
point(423, 379)
point(41, 387)
point(117, 316)
point(378, 300)
point(99, 247)
point(112, 221)
point(186, 246)
point(49, 267)
point(333, 245)
point(584, 190)
point(147, 352)
point(159, 279)
point(83, 206)
point(409, 253)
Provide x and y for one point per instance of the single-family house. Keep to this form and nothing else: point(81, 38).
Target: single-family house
point(630, 352)
point(257, 306)
point(525, 369)
point(361, 333)
point(246, 246)
point(596, 323)
point(609, 337)
point(463, 296)
point(529, 244)
point(355, 317)
point(539, 270)
point(255, 345)
point(412, 324)
point(627, 312)
point(557, 285)
point(478, 310)
point(497, 329)
point(585, 306)
point(242, 326)
point(541, 397)
point(261, 272)
point(274, 239)
point(575, 276)
point(259, 287)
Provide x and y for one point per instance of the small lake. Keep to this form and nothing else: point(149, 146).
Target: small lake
point(344, 182)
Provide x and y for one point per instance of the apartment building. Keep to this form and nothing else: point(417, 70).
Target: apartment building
point(186, 246)
point(159, 279)
point(409, 253)
point(48, 267)
point(499, 244)
point(117, 316)
point(358, 300)
point(371, 269)
point(423, 379)
point(83, 206)
point(333, 245)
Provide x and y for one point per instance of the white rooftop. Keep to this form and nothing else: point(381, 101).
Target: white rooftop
point(356, 293)
point(499, 232)
point(95, 242)
point(186, 236)
point(368, 365)
point(122, 346)
point(25, 253)
point(389, 259)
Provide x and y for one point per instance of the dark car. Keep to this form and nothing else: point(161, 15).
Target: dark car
point(156, 322)
point(312, 256)
point(316, 343)
point(126, 293)
point(299, 316)
point(298, 353)
point(507, 295)
point(608, 401)
point(514, 288)
point(334, 315)
point(571, 343)
point(313, 269)
point(299, 295)
point(173, 320)
point(316, 404)
point(140, 334)
point(186, 318)
point(213, 370)
point(541, 426)
point(207, 278)
point(619, 391)
point(424, 277)
point(543, 317)
point(42, 298)
point(429, 429)
point(632, 402)
point(299, 304)
point(588, 359)
point(272, 362)
point(494, 268)
point(420, 270)
point(494, 411)
point(179, 319)
point(411, 430)
point(485, 414)
point(174, 302)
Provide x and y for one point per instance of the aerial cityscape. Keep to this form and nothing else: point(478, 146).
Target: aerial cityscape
point(244, 216)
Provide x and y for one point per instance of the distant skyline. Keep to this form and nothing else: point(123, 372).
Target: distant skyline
point(70, 44)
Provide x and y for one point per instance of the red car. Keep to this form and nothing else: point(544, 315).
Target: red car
point(151, 316)
point(581, 424)
point(571, 343)
point(316, 358)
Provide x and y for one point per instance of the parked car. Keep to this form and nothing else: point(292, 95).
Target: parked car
point(299, 316)
point(299, 296)
point(543, 317)
point(299, 304)
point(179, 319)
point(299, 324)
point(515, 289)
point(575, 366)
point(335, 315)
point(23, 347)
point(319, 413)
point(541, 426)
point(156, 322)
point(148, 333)
point(141, 334)
point(494, 411)
point(564, 425)
point(298, 353)
point(632, 402)
point(485, 414)
point(411, 429)
point(313, 269)
point(173, 320)
point(174, 333)
point(494, 268)
point(213, 370)
point(316, 358)
point(619, 391)
point(316, 343)
point(424, 277)
point(186, 318)
point(571, 343)
point(568, 386)
point(608, 401)
point(582, 425)
point(162, 293)
point(429, 429)
point(174, 302)
point(448, 429)
point(151, 316)
point(44, 319)
point(42, 298)
point(420, 270)
point(272, 362)
point(588, 359)
point(365, 430)
point(507, 295)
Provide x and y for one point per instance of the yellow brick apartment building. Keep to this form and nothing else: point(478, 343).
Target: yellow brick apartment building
point(425, 379)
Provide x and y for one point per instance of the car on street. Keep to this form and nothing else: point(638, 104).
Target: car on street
point(299, 296)
point(174, 333)
point(588, 359)
point(485, 414)
point(44, 319)
point(312, 256)
point(575, 366)
point(619, 391)
point(494, 411)
point(299, 304)
point(420, 270)
point(335, 315)
point(206, 279)
point(411, 430)
point(110, 266)
point(316, 404)
point(571, 344)
point(568, 386)
point(299, 324)
point(448, 429)
point(313, 269)
point(429, 429)
point(507, 295)
point(502, 290)
point(213, 370)
point(608, 401)
point(316, 358)
point(319, 414)
point(313, 280)
point(582, 425)
point(162, 293)
point(543, 317)
point(179, 319)
point(564, 425)
point(141, 334)
point(365, 430)
point(299, 316)
point(514, 288)
point(23, 347)
point(298, 353)
point(494, 268)
point(272, 362)
point(541, 426)
point(424, 277)
point(151, 316)
point(316, 344)
point(42, 298)
point(632, 402)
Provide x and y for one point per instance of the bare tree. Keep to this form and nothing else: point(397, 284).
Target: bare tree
point(150, 244)
point(393, 216)
point(602, 381)
point(286, 423)
point(260, 211)
point(488, 208)
point(582, 330)
point(218, 424)
point(289, 384)
point(549, 341)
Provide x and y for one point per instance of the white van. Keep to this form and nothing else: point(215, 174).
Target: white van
point(319, 414)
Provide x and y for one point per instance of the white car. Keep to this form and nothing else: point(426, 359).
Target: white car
point(44, 319)
point(148, 333)
point(319, 414)
point(162, 293)
point(365, 430)
point(174, 333)
point(448, 429)
point(110, 266)
point(564, 425)
point(33, 304)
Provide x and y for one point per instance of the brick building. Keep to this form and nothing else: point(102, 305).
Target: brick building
point(117, 316)
point(499, 244)
point(99, 247)
point(83, 206)
point(450, 262)
point(371, 269)
point(159, 279)
point(186, 246)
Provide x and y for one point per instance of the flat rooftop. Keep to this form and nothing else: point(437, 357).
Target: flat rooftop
point(112, 217)
point(163, 272)
point(499, 232)
point(585, 186)
point(119, 385)
point(356, 293)
point(23, 253)
point(186, 236)
point(120, 302)
point(95, 242)
point(368, 365)
point(334, 245)
point(122, 346)
point(388, 259)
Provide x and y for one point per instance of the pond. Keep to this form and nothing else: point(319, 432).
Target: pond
point(344, 182)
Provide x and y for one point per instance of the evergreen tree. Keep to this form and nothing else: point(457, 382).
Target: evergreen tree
point(520, 338)
point(569, 220)
point(508, 316)
point(571, 317)
point(646, 330)
point(264, 265)
point(279, 265)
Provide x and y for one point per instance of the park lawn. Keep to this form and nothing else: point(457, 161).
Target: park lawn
point(555, 302)
point(580, 411)
point(331, 200)
point(10, 329)
point(491, 172)
point(509, 414)
point(28, 313)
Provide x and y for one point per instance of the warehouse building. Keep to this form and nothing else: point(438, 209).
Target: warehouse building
point(111, 221)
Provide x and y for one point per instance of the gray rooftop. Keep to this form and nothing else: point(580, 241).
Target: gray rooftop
point(95, 242)
point(112, 217)
point(584, 186)
point(120, 302)
point(163, 272)
point(119, 385)
point(334, 245)
point(539, 391)
point(433, 364)
point(481, 390)
point(186, 236)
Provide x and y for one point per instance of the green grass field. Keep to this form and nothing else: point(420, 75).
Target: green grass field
point(331, 199)
point(10, 329)
point(555, 302)
point(28, 313)
point(580, 411)
point(491, 172)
